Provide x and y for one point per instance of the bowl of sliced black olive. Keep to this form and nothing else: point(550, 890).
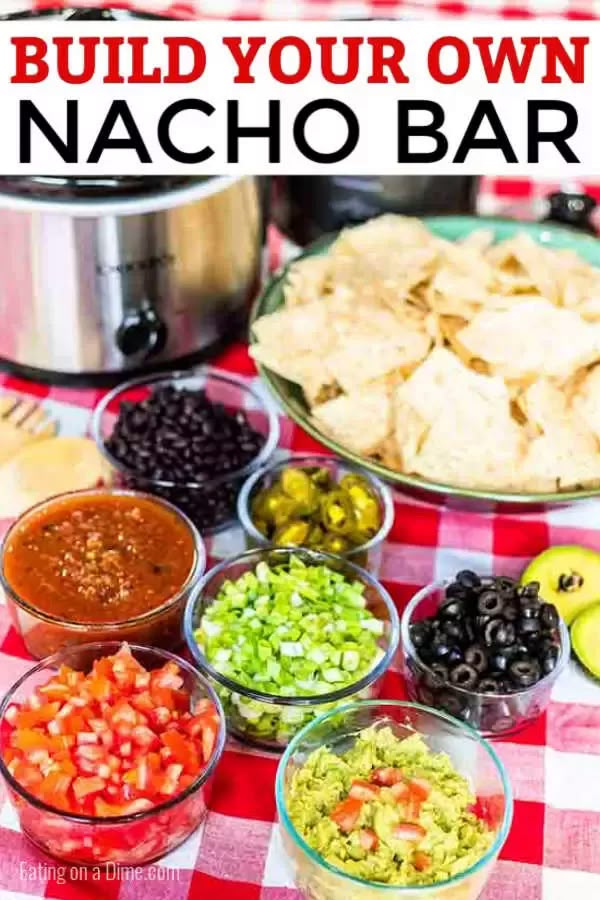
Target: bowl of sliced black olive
point(485, 649)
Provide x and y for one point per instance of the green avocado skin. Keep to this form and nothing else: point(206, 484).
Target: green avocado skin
point(585, 639)
point(455, 839)
point(549, 566)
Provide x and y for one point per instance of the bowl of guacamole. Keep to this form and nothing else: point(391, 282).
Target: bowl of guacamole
point(389, 799)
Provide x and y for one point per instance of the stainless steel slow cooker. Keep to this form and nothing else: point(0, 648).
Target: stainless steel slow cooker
point(99, 285)
point(99, 276)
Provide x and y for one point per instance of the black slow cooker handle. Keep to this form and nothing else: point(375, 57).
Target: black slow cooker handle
point(573, 210)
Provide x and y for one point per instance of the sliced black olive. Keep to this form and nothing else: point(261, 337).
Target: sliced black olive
point(524, 672)
point(549, 616)
point(426, 697)
point(527, 627)
point(549, 660)
point(511, 612)
point(488, 685)
point(451, 704)
point(480, 622)
point(490, 603)
point(464, 676)
point(500, 659)
point(436, 676)
point(455, 656)
point(530, 607)
point(454, 609)
point(498, 632)
point(455, 631)
point(456, 591)
point(531, 590)
point(468, 579)
point(476, 657)
point(420, 632)
point(440, 647)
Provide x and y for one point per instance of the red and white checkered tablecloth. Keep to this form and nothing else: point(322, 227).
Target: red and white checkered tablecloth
point(553, 850)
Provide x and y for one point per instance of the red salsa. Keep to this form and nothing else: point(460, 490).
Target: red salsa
point(99, 558)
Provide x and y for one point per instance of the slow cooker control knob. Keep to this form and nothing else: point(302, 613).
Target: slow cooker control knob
point(141, 334)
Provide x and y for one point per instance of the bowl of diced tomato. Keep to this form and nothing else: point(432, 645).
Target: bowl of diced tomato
point(109, 751)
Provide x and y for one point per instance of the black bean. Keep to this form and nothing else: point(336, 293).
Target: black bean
point(179, 435)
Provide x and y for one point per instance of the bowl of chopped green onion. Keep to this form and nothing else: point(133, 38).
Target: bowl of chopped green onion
point(285, 634)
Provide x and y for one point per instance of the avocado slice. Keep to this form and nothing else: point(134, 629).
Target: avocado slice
point(585, 639)
point(569, 577)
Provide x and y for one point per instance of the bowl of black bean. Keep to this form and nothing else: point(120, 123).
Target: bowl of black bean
point(191, 438)
point(485, 649)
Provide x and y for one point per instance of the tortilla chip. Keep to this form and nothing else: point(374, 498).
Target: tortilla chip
point(442, 382)
point(298, 329)
point(479, 448)
point(586, 401)
point(566, 454)
point(361, 421)
point(306, 280)
point(531, 340)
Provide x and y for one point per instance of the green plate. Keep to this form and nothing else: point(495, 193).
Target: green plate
point(291, 397)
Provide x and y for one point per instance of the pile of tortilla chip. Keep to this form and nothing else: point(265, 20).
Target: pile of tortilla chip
point(472, 363)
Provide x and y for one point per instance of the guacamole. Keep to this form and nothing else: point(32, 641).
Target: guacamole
point(388, 810)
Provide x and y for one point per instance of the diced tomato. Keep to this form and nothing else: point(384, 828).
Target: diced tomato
point(100, 687)
point(347, 813)
point(387, 776)
point(144, 737)
point(368, 839)
point(55, 691)
point(29, 718)
point(183, 750)
point(421, 861)
point(362, 790)
point(160, 716)
point(419, 788)
point(104, 809)
point(489, 809)
point(209, 739)
point(408, 831)
point(84, 786)
point(400, 791)
point(101, 745)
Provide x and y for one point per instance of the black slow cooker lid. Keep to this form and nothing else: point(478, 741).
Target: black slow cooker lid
point(70, 187)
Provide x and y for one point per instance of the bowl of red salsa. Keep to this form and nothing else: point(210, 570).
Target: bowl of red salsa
point(108, 751)
point(100, 565)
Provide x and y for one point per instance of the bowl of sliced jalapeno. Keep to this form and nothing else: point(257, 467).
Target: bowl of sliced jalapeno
point(320, 502)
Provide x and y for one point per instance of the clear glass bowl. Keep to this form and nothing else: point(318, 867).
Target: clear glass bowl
point(210, 504)
point(44, 634)
point(471, 756)
point(270, 721)
point(494, 715)
point(130, 840)
point(367, 555)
